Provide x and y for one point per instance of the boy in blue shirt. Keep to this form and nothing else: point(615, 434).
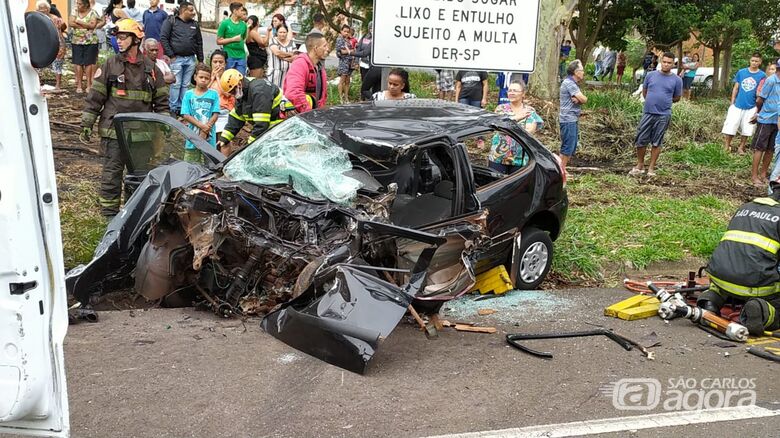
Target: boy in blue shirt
point(743, 103)
point(200, 109)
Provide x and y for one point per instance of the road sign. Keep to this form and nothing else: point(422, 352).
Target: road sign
point(497, 35)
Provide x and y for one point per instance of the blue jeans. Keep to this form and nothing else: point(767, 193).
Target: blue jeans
point(569, 138)
point(183, 67)
point(776, 166)
point(597, 73)
point(238, 64)
point(476, 103)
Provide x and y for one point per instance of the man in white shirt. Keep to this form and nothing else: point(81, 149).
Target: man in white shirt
point(151, 49)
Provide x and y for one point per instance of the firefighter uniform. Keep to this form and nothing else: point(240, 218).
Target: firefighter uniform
point(259, 105)
point(122, 86)
point(745, 266)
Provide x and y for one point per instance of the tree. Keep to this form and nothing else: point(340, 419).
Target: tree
point(599, 20)
point(665, 23)
point(721, 26)
point(361, 10)
point(552, 18)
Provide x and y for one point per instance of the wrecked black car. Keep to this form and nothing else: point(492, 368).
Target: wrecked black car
point(335, 221)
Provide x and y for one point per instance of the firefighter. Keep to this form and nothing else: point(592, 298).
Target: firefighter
point(127, 82)
point(744, 266)
point(257, 102)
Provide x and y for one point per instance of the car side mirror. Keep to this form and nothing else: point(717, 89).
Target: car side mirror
point(43, 39)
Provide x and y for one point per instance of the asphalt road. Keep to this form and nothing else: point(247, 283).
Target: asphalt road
point(182, 372)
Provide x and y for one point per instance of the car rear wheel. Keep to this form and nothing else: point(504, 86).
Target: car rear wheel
point(708, 82)
point(536, 249)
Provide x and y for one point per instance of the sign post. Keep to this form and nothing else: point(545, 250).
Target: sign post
point(497, 35)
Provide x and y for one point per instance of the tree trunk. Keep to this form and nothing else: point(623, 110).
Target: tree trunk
point(725, 70)
point(715, 66)
point(582, 42)
point(544, 80)
point(679, 58)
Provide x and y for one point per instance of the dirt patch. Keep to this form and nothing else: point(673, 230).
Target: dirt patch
point(73, 160)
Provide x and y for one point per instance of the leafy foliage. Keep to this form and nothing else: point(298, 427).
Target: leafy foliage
point(664, 23)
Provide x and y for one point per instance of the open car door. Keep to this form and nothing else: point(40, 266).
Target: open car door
point(33, 308)
point(148, 140)
point(451, 270)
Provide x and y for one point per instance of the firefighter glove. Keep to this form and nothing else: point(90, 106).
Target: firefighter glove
point(85, 134)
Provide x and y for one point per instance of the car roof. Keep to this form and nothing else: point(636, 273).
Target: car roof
point(397, 123)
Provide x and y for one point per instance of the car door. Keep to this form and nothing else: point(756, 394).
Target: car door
point(148, 140)
point(33, 308)
point(451, 269)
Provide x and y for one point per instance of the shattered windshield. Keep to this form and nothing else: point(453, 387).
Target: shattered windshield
point(296, 152)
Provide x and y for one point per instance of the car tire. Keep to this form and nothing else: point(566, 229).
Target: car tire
point(708, 82)
point(536, 254)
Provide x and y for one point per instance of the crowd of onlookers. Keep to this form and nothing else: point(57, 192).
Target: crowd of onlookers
point(753, 110)
point(297, 72)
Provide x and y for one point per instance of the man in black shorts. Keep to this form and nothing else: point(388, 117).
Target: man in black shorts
point(767, 106)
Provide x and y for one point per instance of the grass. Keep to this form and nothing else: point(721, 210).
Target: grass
point(610, 118)
point(697, 159)
point(82, 224)
point(619, 225)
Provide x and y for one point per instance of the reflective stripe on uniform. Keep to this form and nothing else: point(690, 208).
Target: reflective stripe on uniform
point(755, 239)
point(108, 203)
point(276, 122)
point(227, 135)
point(99, 87)
point(250, 140)
point(771, 318)
point(260, 117)
point(107, 132)
point(766, 201)
point(131, 94)
point(745, 291)
point(237, 116)
point(277, 99)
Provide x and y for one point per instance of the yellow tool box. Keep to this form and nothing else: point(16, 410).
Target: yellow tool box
point(636, 307)
point(495, 280)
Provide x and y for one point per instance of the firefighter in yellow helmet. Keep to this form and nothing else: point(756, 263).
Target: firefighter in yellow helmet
point(258, 102)
point(127, 82)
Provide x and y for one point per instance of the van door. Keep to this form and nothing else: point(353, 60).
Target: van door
point(33, 308)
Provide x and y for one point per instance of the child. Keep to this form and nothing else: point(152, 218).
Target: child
point(200, 110)
point(445, 84)
point(227, 101)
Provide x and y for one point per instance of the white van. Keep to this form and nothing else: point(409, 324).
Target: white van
point(33, 307)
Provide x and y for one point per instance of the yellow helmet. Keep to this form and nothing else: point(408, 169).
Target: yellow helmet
point(128, 25)
point(230, 78)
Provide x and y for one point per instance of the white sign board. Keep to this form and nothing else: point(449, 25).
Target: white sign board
point(496, 35)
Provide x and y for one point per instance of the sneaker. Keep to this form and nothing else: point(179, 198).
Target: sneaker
point(635, 172)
